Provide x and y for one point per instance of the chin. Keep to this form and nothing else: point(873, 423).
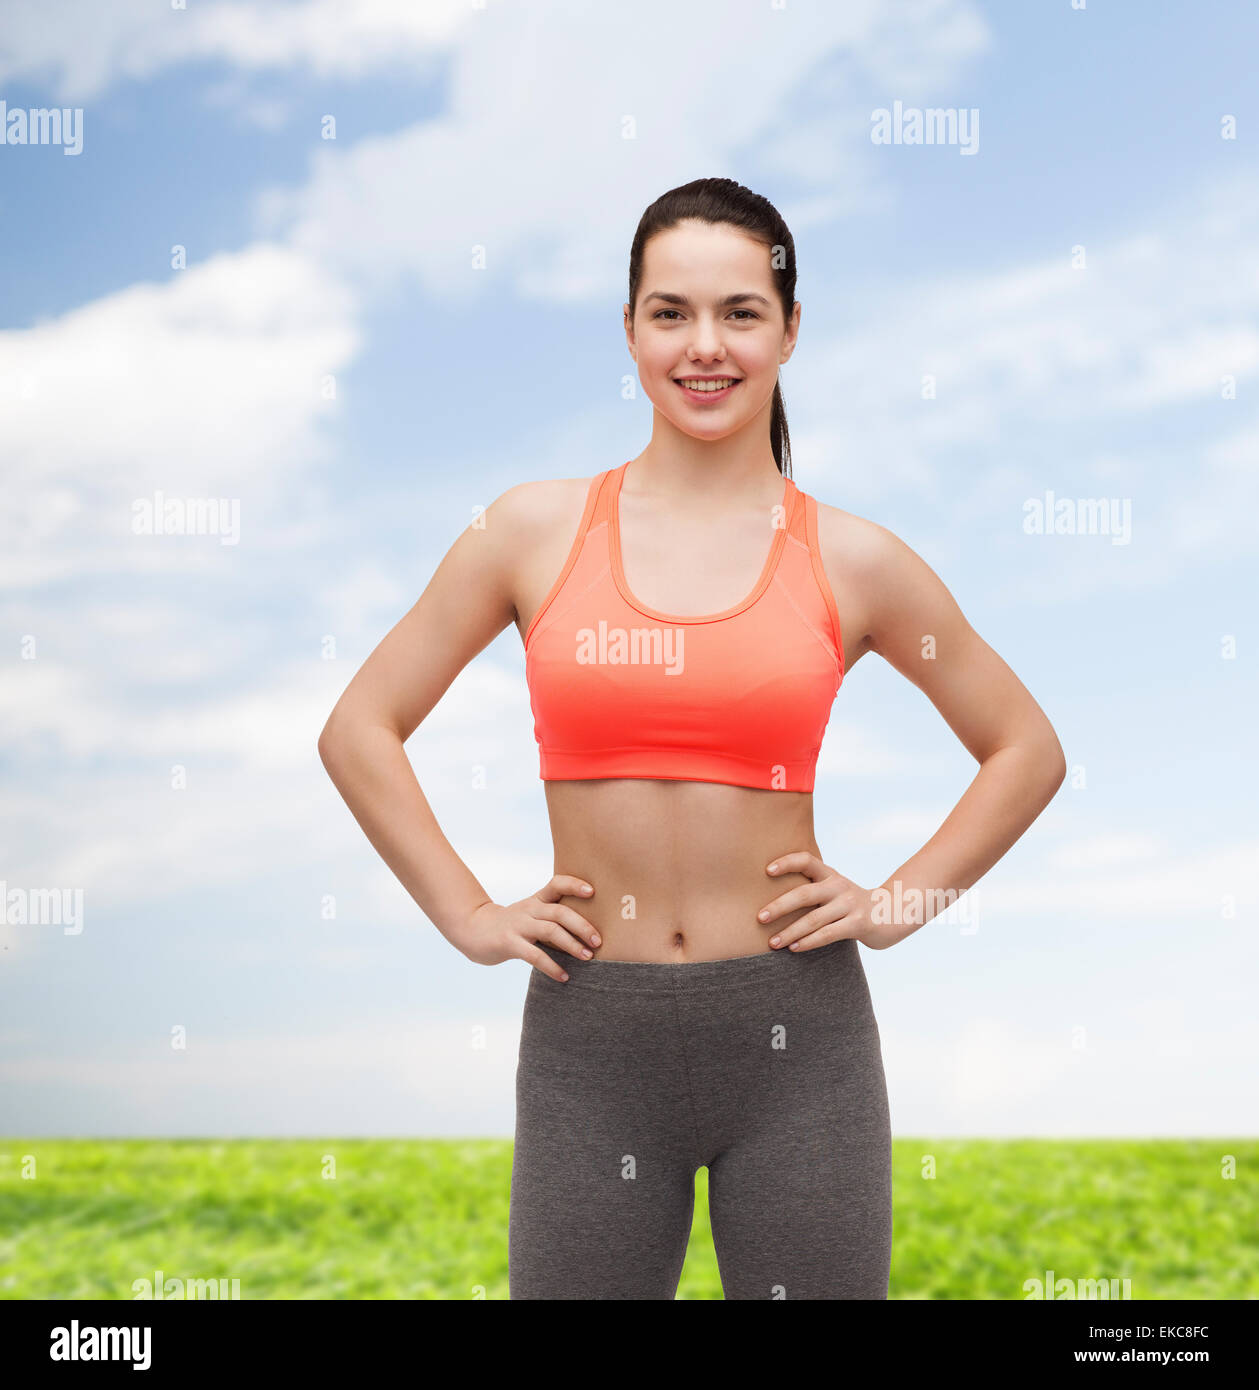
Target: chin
point(713, 431)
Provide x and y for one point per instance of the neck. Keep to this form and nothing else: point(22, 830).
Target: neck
point(678, 465)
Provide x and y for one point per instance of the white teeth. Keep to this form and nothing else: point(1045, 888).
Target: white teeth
point(719, 384)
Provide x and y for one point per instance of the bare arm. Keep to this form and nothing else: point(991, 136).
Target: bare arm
point(467, 603)
point(910, 618)
point(918, 627)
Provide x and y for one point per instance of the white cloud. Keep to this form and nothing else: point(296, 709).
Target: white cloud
point(1102, 850)
point(1125, 884)
point(92, 46)
point(257, 794)
point(1040, 345)
point(549, 197)
point(387, 1076)
point(986, 1075)
point(207, 386)
point(909, 825)
point(854, 749)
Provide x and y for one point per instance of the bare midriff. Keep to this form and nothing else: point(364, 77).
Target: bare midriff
point(678, 868)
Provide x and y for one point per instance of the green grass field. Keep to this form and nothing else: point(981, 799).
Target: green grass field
point(428, 1218)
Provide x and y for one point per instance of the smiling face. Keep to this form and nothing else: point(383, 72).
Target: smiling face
point(709, 315)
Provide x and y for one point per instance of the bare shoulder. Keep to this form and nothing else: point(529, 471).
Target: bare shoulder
point(521, 519)
point(881, 585)
point(533, 525)
point(854, 543)
point(532, 507)
point(862, 551)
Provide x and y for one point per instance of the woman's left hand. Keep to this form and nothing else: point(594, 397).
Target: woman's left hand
point(841, 908)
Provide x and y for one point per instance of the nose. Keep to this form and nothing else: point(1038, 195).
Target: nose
point(706, 341)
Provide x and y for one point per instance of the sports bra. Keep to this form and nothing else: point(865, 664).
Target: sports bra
point(619, 689)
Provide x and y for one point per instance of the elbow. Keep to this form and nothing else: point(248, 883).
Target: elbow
point(341, 738)
point(1058, 775)
point(1044, 765)
point(329, 740)
point(1054, 762)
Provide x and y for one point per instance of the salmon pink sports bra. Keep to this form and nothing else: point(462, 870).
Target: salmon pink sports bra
point(618, 689)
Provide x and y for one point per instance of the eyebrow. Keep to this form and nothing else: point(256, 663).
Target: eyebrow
point(726, 303)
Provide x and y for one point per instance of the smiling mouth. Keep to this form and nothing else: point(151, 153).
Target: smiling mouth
point(707, 384)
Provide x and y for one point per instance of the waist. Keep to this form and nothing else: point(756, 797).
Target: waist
point(703, 976)
point(678, 868)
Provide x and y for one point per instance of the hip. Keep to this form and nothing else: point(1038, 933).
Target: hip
point(769, 1033)
point(823, 993)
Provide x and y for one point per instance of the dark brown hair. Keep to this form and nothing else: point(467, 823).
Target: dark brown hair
point(723, 200)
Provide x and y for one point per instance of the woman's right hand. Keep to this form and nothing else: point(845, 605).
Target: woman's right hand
point(492, 934)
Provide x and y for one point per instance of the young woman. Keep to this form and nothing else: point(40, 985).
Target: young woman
point(697, 997)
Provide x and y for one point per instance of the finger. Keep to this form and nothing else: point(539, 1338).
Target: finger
point(535, 955)
point(799, 862)
point(804, 895)
point(825, 924)
point(564, 886)
point(572, 919)
point(546, 930)
point(833, 931)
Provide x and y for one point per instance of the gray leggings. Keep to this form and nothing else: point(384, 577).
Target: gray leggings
point(766, 1069)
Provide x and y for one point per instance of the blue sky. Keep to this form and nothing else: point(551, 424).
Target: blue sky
point(1105, 989)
